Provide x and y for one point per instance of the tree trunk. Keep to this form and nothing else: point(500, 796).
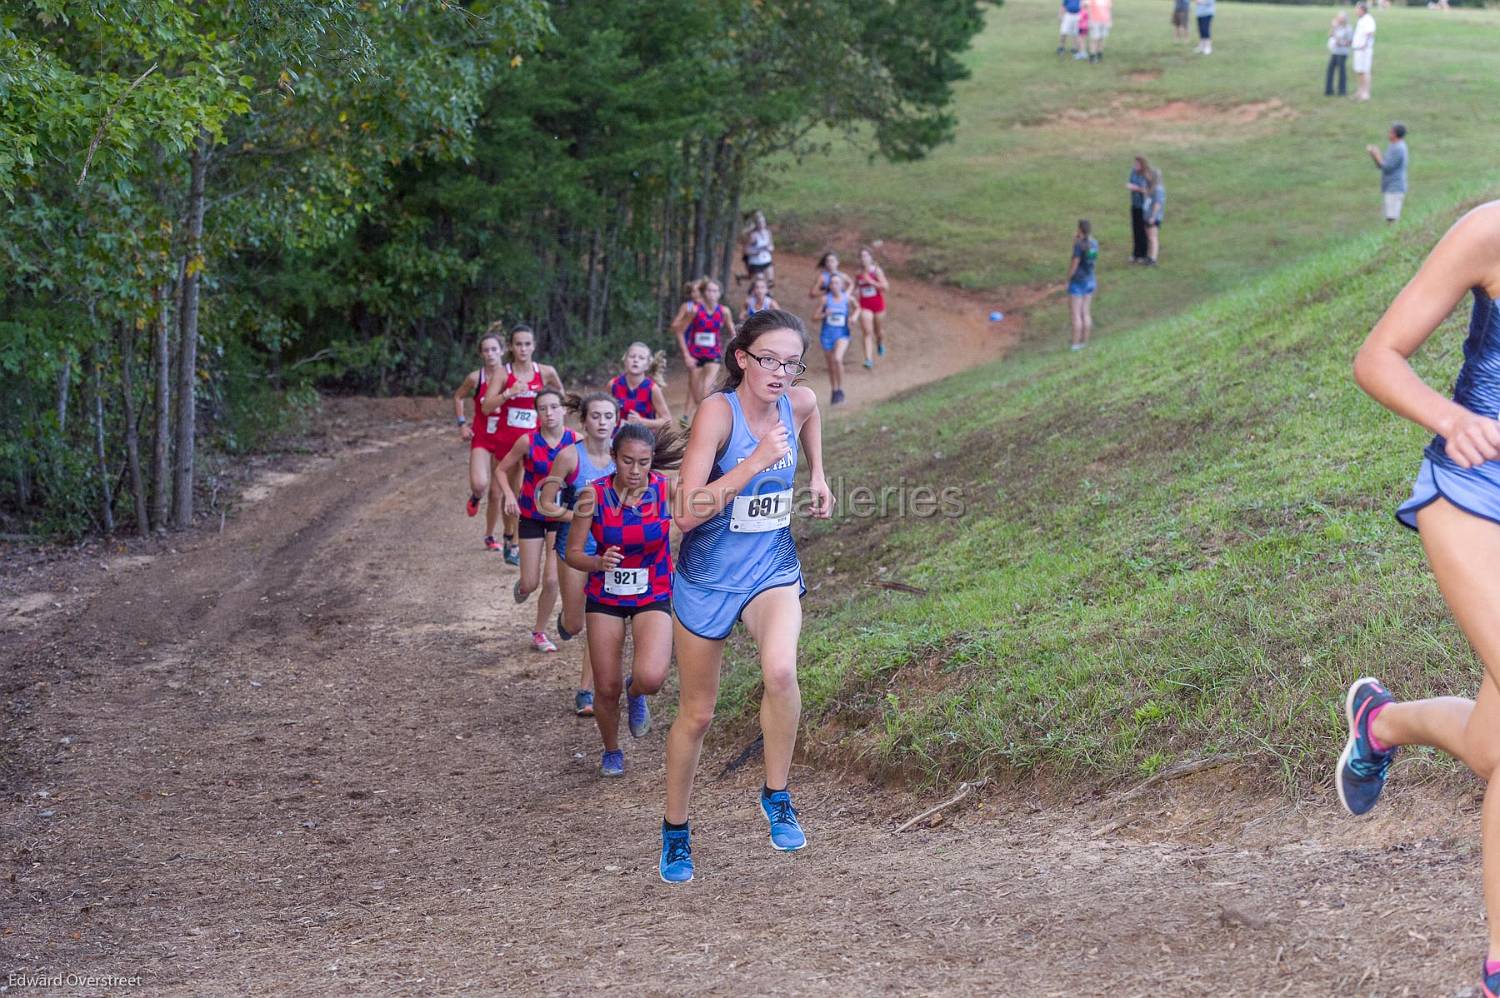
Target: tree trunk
point(591, 306)
point(64, 379)
point(96, 381)
point(732, 226)
point(701, 212)
point(132, 437)
point(187, 345)
point(161, 356)
point(666, 291)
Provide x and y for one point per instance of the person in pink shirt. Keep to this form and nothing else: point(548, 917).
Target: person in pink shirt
point(1100, 14)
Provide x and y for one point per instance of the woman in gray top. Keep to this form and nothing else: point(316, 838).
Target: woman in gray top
point(1340, 37)
point(1156, 210)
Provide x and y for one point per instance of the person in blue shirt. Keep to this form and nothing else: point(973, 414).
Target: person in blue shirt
point(1081, 283)
point(1068, 28)
point(1392, 165)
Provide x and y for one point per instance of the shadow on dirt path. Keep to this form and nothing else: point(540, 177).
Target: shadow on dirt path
point(314, 753)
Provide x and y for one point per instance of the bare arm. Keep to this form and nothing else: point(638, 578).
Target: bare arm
point(583, 518)
point(512, 459)
point(495, 396)
point(1468, 255)
point(1375, 155)
point(465, 390)
point(549, 488)
point(663, 411)
point(550, 377)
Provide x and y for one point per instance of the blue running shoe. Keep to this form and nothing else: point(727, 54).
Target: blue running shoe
point(1361, 771)
point(640, 712)
point(583, 703)
point(880, 350)
point(612, 764)
point(676, 865)
point(786, 832)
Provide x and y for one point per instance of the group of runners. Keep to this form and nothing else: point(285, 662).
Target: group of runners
point(588, 515)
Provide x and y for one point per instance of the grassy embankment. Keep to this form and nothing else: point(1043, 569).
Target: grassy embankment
point(1177, 543)
point(1260, 167)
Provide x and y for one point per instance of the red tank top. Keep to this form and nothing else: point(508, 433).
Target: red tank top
point(643, 533)
point(704, 335)
point(518, 414)
point(870, 295)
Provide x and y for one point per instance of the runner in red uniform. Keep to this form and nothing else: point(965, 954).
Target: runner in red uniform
point(534, 454)
point(639, 388)
point(871, 285)
point(484, 451)
point(630, 580)
point(701, 329)
point(513, 400)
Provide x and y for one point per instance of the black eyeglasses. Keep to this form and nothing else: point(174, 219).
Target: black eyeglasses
point(791, 368)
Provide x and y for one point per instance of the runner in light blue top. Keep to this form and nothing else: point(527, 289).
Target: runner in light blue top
point(837, 312)
point(734, 504)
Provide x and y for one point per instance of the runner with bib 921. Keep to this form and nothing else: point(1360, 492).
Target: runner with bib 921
point(624, 516)
point(738, 562)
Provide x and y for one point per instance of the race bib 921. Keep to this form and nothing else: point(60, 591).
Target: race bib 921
point(626, 581)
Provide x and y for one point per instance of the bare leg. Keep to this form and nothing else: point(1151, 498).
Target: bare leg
point(1153, 240)
point(495, 500)
point(606, 635)
point(479, 470)
point(867, 336)
point(707, 378)
point(531, 564)
point(651, 634)
point(1463, 551)
point(1075, 311)
point(879, 318)
point(1088, 317)
point(546, 602)
point(512, 523)
point(698, 661)
point(571, 583)
point(774, 620)
point(836, 363)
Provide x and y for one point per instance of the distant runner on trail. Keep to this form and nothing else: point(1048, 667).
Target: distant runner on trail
point(513, 401)
point(702, 328)
point(1081, 284)
point(534, 454)
point(1455, 506)
point(587, 460)
point(835, 313)
point(872, 286)
point(738, 562)
point(828, 265)
point(639, 388)
point(759, 299)
point(625, 517)
point(485, 450)
point(758, 247)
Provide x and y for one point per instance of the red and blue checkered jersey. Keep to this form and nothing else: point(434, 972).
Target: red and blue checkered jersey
point(705, 334)
point(538, 465)
point(637, 401)
point(643, 533)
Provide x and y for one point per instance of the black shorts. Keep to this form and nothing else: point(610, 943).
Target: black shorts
point(535, 530)
point(626, 612)
point(717, 358)
point(755, 268)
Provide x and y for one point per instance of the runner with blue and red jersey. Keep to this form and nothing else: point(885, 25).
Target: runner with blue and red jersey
point(534, 454)
point(702, 327)
point(638, 389)
point(630, 581)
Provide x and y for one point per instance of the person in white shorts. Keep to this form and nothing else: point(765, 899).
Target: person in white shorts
point(1363, 50)
point(1392, 165)
point(1068, 28)
point(1100, 14)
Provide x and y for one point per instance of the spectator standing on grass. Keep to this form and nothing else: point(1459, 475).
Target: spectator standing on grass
point(1139, 186)
point(1362, 47)
point(1340, 37)
point(1205, 11)
point(1068, 28)
point(1180, 29)
point(1081, 284)
point(1392, 165)
point(1101, 13)
point(1156, 210)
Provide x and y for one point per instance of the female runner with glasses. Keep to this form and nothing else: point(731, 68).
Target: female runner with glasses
point(738, 562)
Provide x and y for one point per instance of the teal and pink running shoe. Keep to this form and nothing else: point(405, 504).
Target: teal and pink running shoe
point(1491, 979)
point(1362, 768)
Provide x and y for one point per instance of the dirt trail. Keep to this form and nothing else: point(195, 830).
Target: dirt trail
point(312, 753)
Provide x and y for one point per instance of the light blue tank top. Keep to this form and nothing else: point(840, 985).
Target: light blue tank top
point(588, 472)
point(1478, 386)
point(835, 313)
point(733, 551)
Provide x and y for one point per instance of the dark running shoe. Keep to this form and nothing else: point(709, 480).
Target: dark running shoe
point(1362, 770)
